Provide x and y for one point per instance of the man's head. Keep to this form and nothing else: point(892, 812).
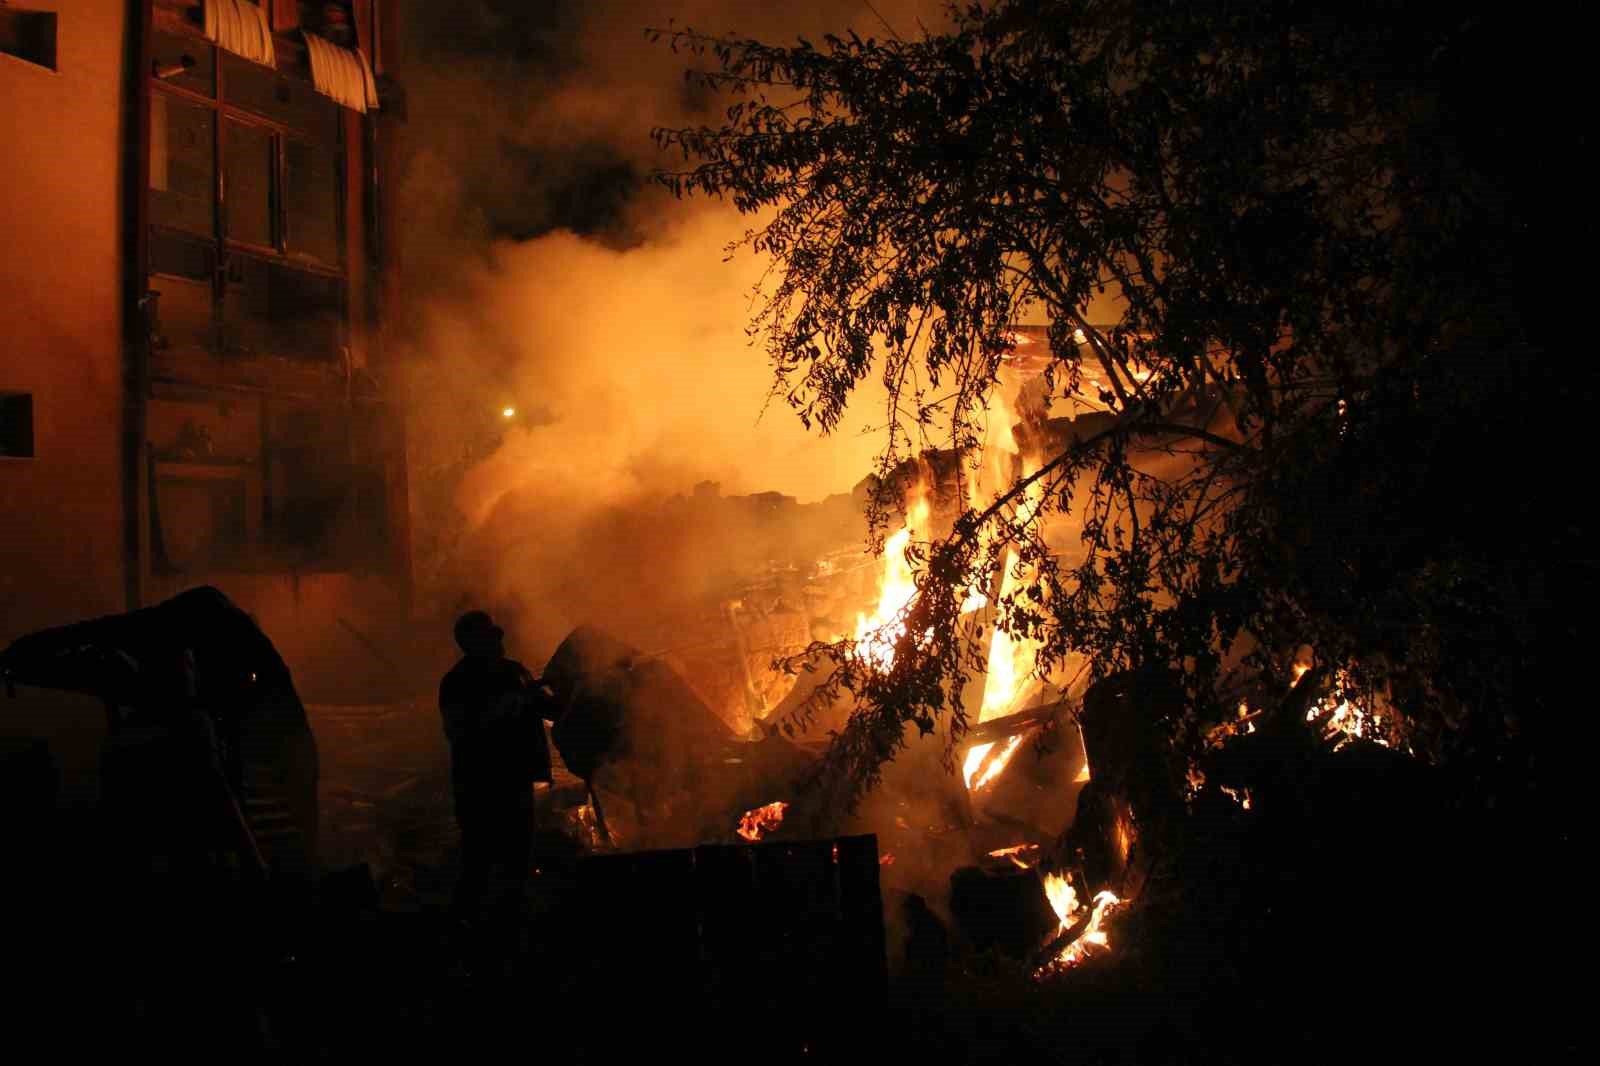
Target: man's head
point(478, 635)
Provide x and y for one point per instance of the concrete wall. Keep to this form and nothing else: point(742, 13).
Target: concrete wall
point(61, 537)
point(61, 530)
point(345, 636)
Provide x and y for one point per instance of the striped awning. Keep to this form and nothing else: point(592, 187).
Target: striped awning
point(342, 73)
point(242, 28)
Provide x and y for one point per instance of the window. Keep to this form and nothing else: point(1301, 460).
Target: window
point(326, 488)
point(16, 425)
point(199, 519)
point(29, 35)
point(247, 240)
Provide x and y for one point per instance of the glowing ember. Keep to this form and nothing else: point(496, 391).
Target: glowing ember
point(1064, 901)
point(886, 859)
point(1013, 853)
point(754, 824)
point(509, 412)
point(1343, 720)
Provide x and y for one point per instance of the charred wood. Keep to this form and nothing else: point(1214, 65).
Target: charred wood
point(1130, 813)
point(999, 908)
point(1012, 724)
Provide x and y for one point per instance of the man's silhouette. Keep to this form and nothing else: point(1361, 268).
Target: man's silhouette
point(492, 715)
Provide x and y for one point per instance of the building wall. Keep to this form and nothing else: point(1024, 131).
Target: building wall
point(64, 269)
point(61, 535)
point(61, 512)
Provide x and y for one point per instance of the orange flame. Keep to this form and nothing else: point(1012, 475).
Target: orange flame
point(984, 763)
point(1010, 658)
point(1013, 852)
point(1344, 720)
point(755, 823)
point(877, 633)
point(1064, 901)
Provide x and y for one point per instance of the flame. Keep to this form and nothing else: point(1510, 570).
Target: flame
point(1010, 658)
point(1344, 720)
point(886, 859)
point(981, 767)
point(1013, 852)
point(754, 823)
point(1064, 901)
point(877, 633)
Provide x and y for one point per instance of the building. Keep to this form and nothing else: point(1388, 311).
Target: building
point(193, 384)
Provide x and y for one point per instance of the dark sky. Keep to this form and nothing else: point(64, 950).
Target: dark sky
point(516, 47)
point(540, 112)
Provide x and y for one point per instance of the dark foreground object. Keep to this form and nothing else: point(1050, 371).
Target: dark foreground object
point(777, 945)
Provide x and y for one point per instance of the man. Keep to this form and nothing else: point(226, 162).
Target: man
point(492, 715)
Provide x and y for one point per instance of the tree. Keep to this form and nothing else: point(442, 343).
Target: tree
point(1317, 259)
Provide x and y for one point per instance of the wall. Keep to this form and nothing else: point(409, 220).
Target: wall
point(345, 636)
point(61, 535)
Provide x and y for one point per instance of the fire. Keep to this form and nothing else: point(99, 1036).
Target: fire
point(1010, 658)
point(755, 823)
point(982, 767)
point(877, 633)
point(1064, 901)
point(1013, 852)
point(1344, 720)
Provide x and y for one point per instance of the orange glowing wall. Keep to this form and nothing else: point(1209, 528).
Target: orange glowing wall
point(61, 511)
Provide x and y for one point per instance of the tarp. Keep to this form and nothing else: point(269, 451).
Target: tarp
point(136, 660)
point(242, 28)
point(342, 74)
point(618, 703)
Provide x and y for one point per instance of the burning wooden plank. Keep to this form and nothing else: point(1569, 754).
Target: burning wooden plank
point(1018, 724)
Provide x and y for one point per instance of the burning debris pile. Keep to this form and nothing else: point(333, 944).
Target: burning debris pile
point(1079, 933)
point(755, 824)
point(684, 728)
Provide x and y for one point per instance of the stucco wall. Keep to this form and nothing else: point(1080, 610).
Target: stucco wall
point(61, 539)
point(61, 536)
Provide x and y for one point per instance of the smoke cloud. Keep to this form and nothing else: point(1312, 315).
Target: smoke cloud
point(574, 338)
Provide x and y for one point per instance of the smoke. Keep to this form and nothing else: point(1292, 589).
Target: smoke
point(544, 275)
point(574, 339)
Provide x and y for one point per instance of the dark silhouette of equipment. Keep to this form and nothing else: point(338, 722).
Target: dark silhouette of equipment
point(197, 666)
point(628, 721)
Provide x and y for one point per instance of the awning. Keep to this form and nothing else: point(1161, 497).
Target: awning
point(342, 73)
point(242, 28)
